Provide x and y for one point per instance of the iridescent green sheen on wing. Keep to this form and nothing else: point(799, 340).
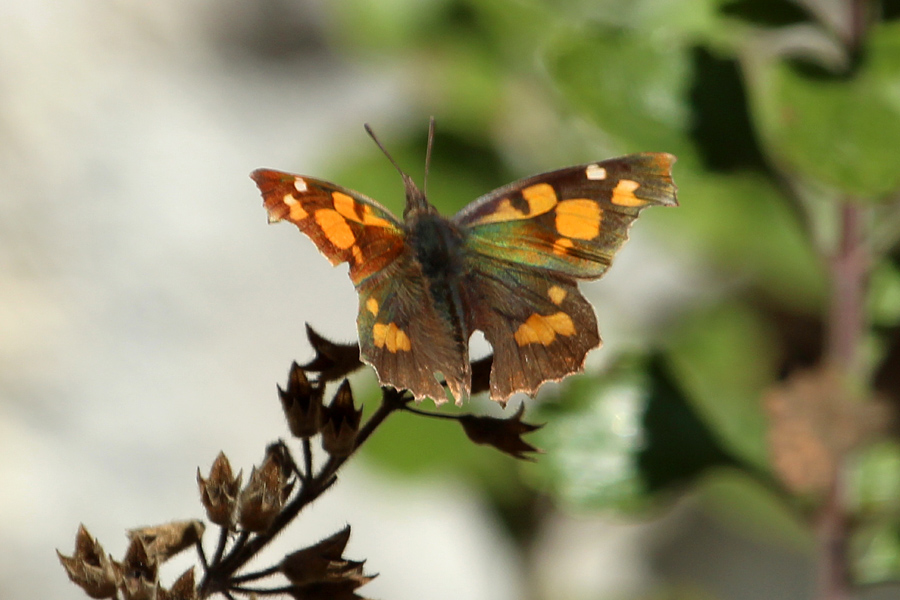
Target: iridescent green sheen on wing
point(572, 221)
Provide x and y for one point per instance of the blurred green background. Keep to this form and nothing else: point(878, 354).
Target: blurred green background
point(780, 113)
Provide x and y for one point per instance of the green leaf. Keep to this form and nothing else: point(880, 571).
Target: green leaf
point(750, 507)
point(839, 131)
point(884, 295)
point(591, 444)
point(631, 86)
point(875, 551)
point(874, 487)
point(724, 359)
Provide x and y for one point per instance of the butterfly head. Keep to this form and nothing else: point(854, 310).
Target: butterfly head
point(416, 201)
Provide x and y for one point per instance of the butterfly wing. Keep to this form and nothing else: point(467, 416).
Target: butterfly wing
point(400, 333)
point(406, 339)
point(345, 226)
point(526, 245)
point(539, 325)
point(573, 220)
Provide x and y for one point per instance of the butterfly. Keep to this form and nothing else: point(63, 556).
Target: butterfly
point(507, 264)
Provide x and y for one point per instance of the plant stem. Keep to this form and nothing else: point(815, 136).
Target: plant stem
point(846, 328)
point(849, 272)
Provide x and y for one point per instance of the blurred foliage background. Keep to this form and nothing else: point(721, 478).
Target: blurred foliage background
point(735, 438)
point(739, 390)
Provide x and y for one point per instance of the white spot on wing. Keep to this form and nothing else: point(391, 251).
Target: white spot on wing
point(300, 185)
point(289, 199)
point(595, 172)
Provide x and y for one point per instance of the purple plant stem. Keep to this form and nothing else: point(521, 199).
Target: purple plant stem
point(845, 329)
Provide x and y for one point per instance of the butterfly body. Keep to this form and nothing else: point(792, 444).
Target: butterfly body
point(506, 265)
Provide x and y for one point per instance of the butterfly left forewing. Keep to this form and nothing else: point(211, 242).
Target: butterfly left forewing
point(344, 225)
point(573, 220)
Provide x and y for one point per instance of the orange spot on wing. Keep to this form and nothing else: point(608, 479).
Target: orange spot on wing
point(623, 193)
point(296, 211)
point(540, 197)
point(370, 219)
point(335, 228)
point(561, 323)
point(391, 337)
point(402, 341)
point(542, 330)
point(562, 245)
point(379, 333)
point(372, 306)
point(345, 206)
point(505, 211)
point(578, 218)
point(557, 294)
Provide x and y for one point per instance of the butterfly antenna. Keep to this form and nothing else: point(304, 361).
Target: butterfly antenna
point(428, 154)
point(386, 153)
point(415, 199)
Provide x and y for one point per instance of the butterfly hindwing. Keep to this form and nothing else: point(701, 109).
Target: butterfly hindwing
point(572, 220)
point(405, 338)
point(344, 225)
point(539, 325)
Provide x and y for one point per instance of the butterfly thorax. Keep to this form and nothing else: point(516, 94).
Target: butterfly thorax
point(437, 244)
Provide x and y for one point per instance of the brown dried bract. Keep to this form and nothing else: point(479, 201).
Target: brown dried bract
point(184, 588)
point(321, 562)
point(165, 541)
point(341, 423)
point(90, 567)
point(138, 572)
point(333, 361)
point(302, 404)
point(266, 492)
point(219, 492)
point(502, 434)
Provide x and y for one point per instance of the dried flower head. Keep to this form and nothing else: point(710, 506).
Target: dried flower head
point(138, 572)
point(333, 361)
point(341, 423)
point(320, 562)
point(266, 492)
point(219, 492)
point(184, 588)
point(165, 541)
point(90, 567)
point(502, 434)
point(302, 404)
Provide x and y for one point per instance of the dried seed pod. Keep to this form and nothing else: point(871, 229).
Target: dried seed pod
point(138, 572)
point(302, 404)
point(165, 541)
point(502, 434)
point(319, 562)
point(90, 568)
point(266, 492)
point(341, 423)
point(219, 492)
